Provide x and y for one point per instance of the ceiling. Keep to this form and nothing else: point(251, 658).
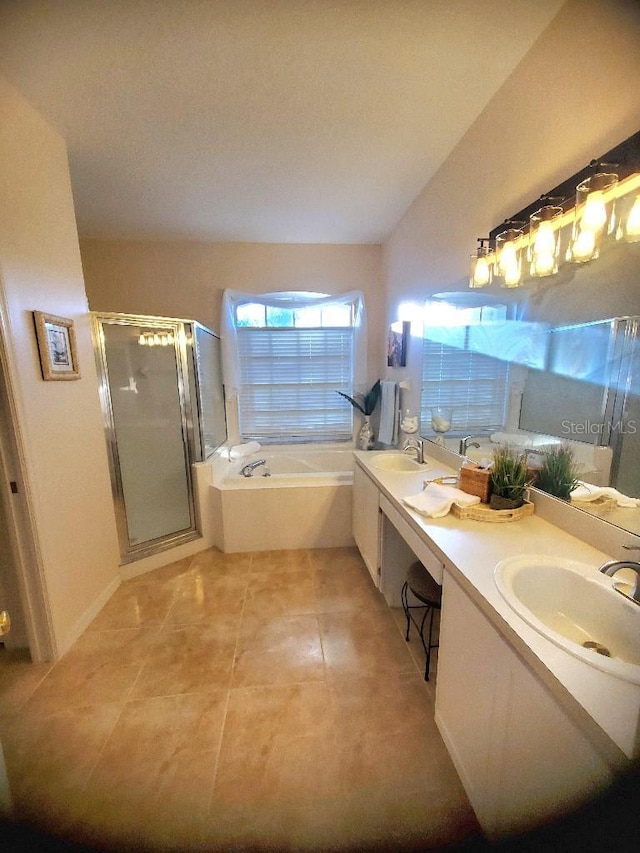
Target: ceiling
point(294, 121)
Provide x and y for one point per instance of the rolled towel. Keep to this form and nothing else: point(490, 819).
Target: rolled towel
point(436, 500)
point(589, 492)
point(239, 451)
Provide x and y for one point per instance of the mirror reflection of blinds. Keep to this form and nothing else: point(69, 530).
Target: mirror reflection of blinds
point(289, 379)
point(474, 386)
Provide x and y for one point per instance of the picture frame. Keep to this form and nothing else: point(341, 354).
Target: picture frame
point(56, 346)
point(397, 344)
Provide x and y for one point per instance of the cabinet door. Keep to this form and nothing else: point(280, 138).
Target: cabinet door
point(467, 713)
point(366, 521)
point(521, 757)
point(547, 765)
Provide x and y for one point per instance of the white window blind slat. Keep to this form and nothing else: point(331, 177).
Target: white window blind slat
point(474, 386)
point(289, 378)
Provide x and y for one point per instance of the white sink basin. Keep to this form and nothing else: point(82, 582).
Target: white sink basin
point(575, 606)
point(398, 462)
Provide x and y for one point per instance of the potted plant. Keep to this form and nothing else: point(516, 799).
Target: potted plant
point(509, 478)
point(365, 403)
point(559, 472)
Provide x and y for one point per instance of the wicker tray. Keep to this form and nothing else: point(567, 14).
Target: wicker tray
point(482, 511)
point(603, 504)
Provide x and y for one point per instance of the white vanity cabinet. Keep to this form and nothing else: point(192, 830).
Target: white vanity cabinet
point(521, 757)
point(366, 521)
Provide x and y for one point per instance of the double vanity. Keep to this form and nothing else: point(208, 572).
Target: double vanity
point(535, 722)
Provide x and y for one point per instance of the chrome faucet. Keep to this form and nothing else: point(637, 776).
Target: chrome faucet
point(612, 566)
point(249, 468)
point(414, 446)
point(465, 444)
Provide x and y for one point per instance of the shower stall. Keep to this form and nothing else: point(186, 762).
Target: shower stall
point(163, 408)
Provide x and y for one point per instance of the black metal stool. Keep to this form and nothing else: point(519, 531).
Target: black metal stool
point(420, 583)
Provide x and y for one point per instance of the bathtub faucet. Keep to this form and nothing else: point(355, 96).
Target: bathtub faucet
point(465, 444)
point(248, 469)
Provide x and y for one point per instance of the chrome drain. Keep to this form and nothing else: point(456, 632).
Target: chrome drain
point(598, 648)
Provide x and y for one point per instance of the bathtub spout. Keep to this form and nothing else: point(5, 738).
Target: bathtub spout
point(248, 469)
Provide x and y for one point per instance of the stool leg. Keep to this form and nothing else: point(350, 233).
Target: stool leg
point(405, 607)
point(431, 645)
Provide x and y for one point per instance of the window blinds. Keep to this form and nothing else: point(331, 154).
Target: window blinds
point(474, 386)
point(289, 378)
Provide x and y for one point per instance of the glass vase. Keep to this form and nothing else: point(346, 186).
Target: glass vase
point(366, 437)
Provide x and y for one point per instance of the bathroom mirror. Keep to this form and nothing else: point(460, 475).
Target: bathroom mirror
point(584, 382)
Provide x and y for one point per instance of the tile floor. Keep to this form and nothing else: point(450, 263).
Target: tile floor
point(236, 702)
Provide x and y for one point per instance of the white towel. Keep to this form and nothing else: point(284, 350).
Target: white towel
point(239, 451)
point(436, 500)
point(588, 492)
point(388, 412)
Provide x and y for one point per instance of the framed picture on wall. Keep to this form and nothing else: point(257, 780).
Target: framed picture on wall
point(397, 345)
point(56, 346)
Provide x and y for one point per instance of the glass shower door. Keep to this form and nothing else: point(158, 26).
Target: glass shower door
point(146, 400)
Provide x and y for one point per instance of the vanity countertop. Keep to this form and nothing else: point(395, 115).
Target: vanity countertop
point(470, 551)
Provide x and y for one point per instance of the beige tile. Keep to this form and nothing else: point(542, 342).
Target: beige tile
point(311, 767)
point(154, 779)
point(363, 644)
point(339, 559)
point(216, 563)
point(207, 598)
point(50, 758)
point(116, 647)
point(166, 577)
point(280, 561)
point(278, 651)
point(327, 740)
point(19, 677)
point(135, 604)
point(189, 659)
point(78, 681)
point(346, 589)
point(274, 594)
point(273, 736)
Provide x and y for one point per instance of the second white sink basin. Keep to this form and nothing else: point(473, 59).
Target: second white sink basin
point(575, 606)
point(398, 462)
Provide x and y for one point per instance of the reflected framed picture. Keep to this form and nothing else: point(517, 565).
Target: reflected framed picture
point(397, 344)
point(56, 346)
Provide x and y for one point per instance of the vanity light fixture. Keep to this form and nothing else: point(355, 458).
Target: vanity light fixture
point(509, 256)
point(482, 261)
point(594, 216)
point(156, 339)
point(629, 224)
point(600, 202)
point(544, 240)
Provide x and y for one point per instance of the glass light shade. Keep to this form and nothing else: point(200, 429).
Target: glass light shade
point(630, 228)
point(544, 241)
point(508, 257)
point(481, 273)
point(594, 216)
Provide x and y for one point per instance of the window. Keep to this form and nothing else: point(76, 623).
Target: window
point(455, 375)
point(294, 352)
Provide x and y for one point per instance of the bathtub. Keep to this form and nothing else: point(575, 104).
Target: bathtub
point(305, 502)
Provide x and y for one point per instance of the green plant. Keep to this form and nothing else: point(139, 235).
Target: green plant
point(509, 473)
point(559, 472)
point(365, 403)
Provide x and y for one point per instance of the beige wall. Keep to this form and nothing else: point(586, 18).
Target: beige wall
point(187, 278)
point(60, 423)
point(573, 97)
